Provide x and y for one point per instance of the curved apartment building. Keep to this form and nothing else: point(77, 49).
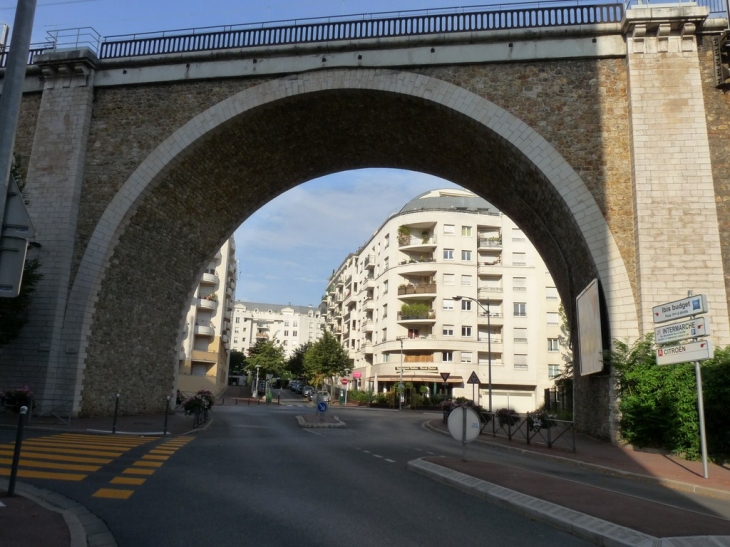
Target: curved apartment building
point(449, 285)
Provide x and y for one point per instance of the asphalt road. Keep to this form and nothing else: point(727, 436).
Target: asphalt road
point(255, 477)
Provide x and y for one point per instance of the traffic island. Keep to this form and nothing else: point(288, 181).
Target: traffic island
point(319, 421)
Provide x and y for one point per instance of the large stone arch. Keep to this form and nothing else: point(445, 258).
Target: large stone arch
point(153, 240)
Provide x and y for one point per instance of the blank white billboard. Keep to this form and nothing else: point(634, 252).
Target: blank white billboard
point(590, 341)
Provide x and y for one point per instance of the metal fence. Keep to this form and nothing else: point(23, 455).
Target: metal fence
point(550, 13)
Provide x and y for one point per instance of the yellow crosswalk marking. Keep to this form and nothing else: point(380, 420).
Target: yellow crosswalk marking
point(41, 448)
point(141, 463)
point(27, 474)
point(127, 480)
point(50, 465)
point(113, 493)
point(138, 471)
point(57, 457)
point(153, 457)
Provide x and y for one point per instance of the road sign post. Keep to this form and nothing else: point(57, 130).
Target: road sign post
point(697, 350)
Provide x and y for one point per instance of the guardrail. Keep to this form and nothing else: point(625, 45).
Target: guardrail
point(550, 13)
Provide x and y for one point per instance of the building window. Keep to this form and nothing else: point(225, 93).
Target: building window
point(286, 333)
point(466, 332)
point(387, 241)
point(466, 281)
point(448, 254)
point(553, 344)
point(553, 371)
point(294, 333)
point(238, 319)
point(466, 256)
point(520, 309)
point(386, 357)
point(449, 279)
point(294, 324)
point(520, 361)
point(449, 229)
point(235, 340)
point(448, 330)
point(448, 304)
point(385, 287)
point(466, 231)
point(551, 293)
point(385, 311)
point(236, 330)
point(466, 357)
point(519, 259)
point(517, 235)
point(520, 336)
point(447, 356)
point(553, 319)
point(286, 323)
point(466, 305)
point(519, 284)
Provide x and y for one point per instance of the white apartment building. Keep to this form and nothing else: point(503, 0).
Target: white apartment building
point(204, 353)
point(289, 325)
point(412, 303)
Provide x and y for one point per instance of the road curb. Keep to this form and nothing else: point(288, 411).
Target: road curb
point(668, 483)
point(595, 530)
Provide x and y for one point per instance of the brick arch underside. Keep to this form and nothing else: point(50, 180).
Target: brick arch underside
point(212, 186)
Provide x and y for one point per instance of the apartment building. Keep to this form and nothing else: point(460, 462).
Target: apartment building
point(449, 286)
point(291, 326)
point(204, 353)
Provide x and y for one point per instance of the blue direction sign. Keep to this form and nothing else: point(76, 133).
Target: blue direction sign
point(322, 406)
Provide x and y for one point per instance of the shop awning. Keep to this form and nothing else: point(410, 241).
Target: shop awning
point(418, 378)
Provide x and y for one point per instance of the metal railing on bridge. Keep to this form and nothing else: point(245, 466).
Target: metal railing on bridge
point(508, 16)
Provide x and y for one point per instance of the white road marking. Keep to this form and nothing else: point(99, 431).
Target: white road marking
point(377, 455)
point(389, 460)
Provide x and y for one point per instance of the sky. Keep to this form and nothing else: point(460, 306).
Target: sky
point(318, 223)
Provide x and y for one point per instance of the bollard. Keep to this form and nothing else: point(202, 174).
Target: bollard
point(249, 401)
point(116, 411)
point(278, 398)
point(167, 406)
point(16, 453)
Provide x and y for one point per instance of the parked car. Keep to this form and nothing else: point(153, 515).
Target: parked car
point(322, 396)
point(306, 390)
point(293, 386)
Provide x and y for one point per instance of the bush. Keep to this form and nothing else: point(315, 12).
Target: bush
point(658, 403)
point(202, 400)
point(15, 398)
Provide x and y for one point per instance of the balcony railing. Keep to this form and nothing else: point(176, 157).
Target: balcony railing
point(423, 288)
point(369, 262)
point(487, 242)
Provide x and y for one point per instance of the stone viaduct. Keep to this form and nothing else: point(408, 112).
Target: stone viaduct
point(604, 139)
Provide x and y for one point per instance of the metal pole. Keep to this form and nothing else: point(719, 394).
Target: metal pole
point(701, 410)
point(463, 433)
point(16, 453)
point(116, 411)
point(167, 406)
point(13, 91)
point(400, 386)
point(489, 352)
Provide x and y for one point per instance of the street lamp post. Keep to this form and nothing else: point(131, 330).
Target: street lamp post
point(256, 387)
point(489, 341)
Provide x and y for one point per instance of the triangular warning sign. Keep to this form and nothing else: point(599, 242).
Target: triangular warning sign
point(473, 379)
point(445, 376)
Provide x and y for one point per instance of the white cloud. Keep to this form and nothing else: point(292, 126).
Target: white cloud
point(289, 247)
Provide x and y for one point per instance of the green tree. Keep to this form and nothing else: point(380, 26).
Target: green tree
point(326, 358)
point(268, 356)
point(237, 363)
point(295, 364)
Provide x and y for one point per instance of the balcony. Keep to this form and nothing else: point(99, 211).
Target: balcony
point(229, 292)
point(490, 243)
point(488, 267)
point(339, 297)
point(428, 318)
point(367, 348)
point(205, 304)
point(365, 283)
point(489, 291)
point(495, 318)
point(369, 304)
point(209, 279)
point(369, 263)
point(348, 280)
point(340, 282)
point(417, 290)
point(203, 330)
point(262, 336)
point(417, 244)
point(204, 356)
point(417, 267)
point(368, 326)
